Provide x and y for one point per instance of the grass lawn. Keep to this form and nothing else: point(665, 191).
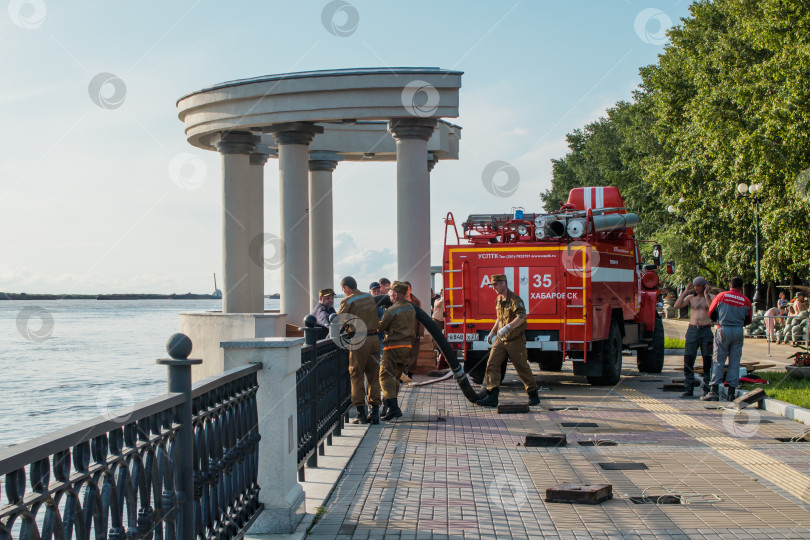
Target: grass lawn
point(784, 388)
point(673, 343)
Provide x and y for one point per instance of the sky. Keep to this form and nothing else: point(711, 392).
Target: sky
point(88, 202)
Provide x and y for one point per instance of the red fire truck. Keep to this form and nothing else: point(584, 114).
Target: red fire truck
point(579, 271)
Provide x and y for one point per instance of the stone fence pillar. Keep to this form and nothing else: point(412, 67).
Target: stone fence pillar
point(281, 494)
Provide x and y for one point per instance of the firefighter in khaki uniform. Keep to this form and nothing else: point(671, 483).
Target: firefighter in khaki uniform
point(509, 335)
point(399, 324)
point(364, 360)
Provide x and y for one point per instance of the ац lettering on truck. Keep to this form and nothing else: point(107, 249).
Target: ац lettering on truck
point(587, 292)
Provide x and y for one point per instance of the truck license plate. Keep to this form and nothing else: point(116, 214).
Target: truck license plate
point(460, 337)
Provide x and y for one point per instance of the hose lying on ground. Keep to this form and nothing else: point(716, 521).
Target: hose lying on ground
point(444, 346)
point(433, 381)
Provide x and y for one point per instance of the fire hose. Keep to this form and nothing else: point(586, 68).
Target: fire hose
point(444, 346)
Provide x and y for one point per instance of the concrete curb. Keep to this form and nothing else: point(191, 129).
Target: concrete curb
point(786, 410)
point(667, 352)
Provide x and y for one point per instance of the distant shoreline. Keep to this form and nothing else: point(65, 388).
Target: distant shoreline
point(131, 296)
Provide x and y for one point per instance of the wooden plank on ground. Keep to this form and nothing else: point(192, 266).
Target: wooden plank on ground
point(513, 408)
point(545, 439)
point(754, 396)
point(579, 493)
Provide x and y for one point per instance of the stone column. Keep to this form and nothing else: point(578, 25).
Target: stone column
point(256, 226)
point(236, 147)
point(293, 156)
point(413, 202)
point(281, 494)
point(431, 164)
point(432, 161)
point(321, 263)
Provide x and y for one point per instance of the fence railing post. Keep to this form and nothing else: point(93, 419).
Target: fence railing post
point(311, 339)
point(282, 496)
point(179, 347)
point(310, 330)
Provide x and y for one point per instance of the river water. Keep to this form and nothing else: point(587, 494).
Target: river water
point(65, 361)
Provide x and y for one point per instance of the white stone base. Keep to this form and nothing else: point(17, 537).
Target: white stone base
point(207, 329)
point(279, 520)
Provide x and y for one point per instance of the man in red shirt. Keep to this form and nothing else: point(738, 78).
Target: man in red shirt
point(731, 310)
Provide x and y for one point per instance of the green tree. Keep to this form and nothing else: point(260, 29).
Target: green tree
point(728, 102)
point(609, 152)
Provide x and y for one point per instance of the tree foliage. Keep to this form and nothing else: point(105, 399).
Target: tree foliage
point(727, 103)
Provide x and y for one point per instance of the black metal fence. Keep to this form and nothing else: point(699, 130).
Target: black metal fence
point(226, 453)
point(324, 397)
point(178, 466)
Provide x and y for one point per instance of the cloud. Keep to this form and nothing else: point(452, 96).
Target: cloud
point(363, 263)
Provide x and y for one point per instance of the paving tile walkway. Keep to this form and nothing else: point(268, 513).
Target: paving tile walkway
point(449, 469)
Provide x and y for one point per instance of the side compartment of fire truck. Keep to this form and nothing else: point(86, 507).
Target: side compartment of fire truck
point(587, 294)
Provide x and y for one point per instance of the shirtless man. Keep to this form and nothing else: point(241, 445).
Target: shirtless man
point(699, 333)
point(799, 304)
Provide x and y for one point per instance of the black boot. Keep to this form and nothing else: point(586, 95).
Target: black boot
point(713, 395)
point(534, 399)
point(688, 388)
point(491, 400)
point(384, 409)
point(361, 416)
point(393, 409)
point(732, 393)
point(374, 415)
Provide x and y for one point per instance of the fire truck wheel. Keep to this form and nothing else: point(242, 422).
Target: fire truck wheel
point(610, 355)
point(548, 360)
point(652, 360)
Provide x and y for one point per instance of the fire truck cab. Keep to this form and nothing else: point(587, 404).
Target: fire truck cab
point(579, 272)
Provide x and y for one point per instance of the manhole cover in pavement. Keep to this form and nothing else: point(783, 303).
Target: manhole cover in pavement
point(624, 466)
point(660, 499)
point(598, 443)
point(578, 424)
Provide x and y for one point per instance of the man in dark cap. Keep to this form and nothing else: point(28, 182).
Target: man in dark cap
point(509, 336)
point(398, 322)
point(699, 334)
point(322, 311)
point(364, 357)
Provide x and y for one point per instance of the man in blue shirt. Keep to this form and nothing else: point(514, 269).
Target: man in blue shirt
point(325, 307)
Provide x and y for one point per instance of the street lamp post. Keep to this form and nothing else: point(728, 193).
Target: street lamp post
point(752, 193)
point(673, 211)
